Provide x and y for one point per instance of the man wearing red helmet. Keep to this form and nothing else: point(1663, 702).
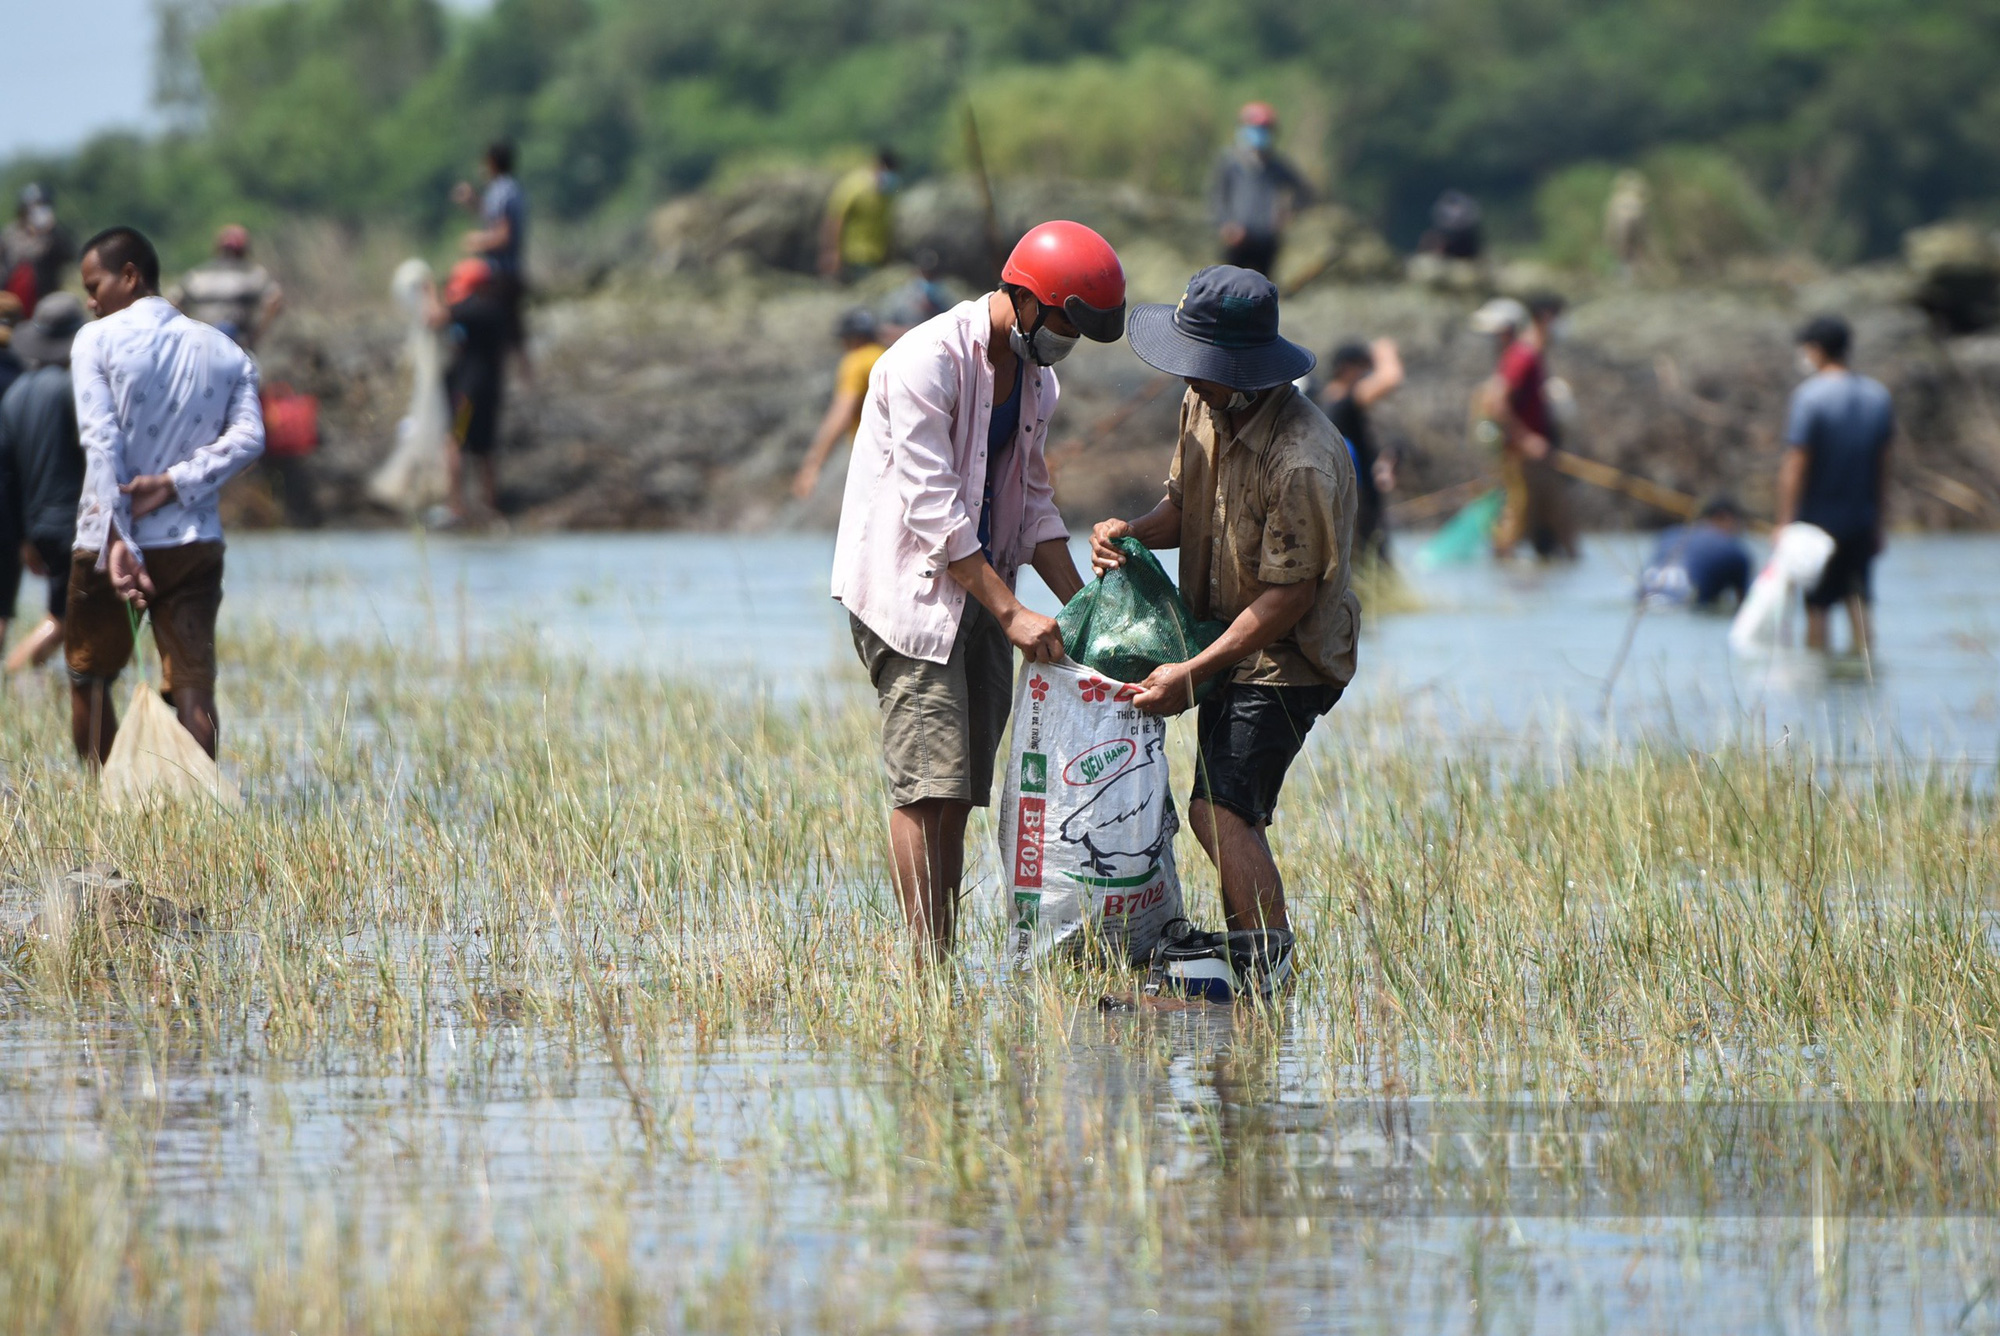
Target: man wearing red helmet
point(948, 496)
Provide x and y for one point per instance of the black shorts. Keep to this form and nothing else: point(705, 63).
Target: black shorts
point(54, 553)
point(475, 383)
point(1847, 572)
point(1246, 737)
point(1259, 253)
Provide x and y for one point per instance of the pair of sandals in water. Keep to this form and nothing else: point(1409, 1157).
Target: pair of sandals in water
point(1219, 966)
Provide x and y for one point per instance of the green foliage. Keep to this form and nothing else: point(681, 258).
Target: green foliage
point(1569, 211)
point(1701, 210)
point(299, 94)
point(1154, 120)
point(1855, 119)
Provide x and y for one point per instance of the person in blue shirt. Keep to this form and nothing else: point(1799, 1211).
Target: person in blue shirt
point(501, 239)
point(1834, 473)
point(1696, 564)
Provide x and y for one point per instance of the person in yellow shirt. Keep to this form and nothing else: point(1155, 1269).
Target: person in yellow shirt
point(860, 334)
point(859, 232)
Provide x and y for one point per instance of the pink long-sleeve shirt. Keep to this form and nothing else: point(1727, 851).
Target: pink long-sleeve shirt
point(917, 480)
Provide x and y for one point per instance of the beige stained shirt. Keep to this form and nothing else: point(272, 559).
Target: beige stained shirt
point(1270, 505)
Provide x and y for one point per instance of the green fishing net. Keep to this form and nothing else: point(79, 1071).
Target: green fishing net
point(1130, 620)
point(1466, 536)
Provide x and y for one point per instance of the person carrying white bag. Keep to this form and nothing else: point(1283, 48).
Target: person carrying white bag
point(1799, 553)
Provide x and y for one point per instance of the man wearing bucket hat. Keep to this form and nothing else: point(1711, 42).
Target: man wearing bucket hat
point(947, 497)
point(41, 471)
point(1261, 503)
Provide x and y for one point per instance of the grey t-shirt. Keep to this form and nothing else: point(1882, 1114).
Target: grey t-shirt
point(1247, 189)
point(1843, 422)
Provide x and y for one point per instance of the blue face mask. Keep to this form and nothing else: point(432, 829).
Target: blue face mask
point(1256, 138)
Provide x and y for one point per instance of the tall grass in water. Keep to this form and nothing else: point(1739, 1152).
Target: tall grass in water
point(535, 998)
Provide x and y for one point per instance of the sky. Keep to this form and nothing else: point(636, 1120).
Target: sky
point(75, 67)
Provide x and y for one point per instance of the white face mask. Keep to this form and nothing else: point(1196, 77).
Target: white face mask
point(1240, 400)
point(1045, 349)
point(1806, 367)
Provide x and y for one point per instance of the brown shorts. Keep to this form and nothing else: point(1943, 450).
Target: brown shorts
point(941, 722)
point(187, 593)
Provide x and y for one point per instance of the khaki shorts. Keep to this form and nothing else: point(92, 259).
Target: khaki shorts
point(941, 722)
point(187, 593)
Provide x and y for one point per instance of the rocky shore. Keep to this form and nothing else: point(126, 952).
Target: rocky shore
point(678, 376)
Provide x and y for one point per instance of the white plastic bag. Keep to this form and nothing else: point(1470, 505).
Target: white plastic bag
point(413, 477)
point(1087, 818)
point(1799, 554)
point(154, 760)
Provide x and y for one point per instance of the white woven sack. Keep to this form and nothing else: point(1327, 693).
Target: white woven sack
point(1799, 554)
point(414, 476)
point(1087, 818)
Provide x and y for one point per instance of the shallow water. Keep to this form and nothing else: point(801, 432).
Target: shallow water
point(1494, 651)
point(500, 1131)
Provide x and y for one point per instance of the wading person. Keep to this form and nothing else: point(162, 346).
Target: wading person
point(41, 472)
point(1834, 473)
point(1696, 564)
point(1360, 376)
point(947, 497)
point(1261, 503)
point(166, 408)
point(1517, 400)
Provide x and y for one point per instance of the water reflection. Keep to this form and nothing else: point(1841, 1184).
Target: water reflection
point(1494, 653)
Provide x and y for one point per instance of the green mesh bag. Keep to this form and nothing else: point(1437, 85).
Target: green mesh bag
point(1129, 621)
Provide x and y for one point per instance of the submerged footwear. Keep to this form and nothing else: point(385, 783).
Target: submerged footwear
point(1220, 966)
point(1262, 960)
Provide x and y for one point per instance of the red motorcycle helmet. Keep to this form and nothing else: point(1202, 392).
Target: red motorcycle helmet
point(1071, 269)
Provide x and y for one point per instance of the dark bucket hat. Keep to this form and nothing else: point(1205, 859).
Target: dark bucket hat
point(50, 331)
point(1225, 330)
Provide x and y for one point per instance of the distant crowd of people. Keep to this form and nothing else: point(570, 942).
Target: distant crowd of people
point(123, 414)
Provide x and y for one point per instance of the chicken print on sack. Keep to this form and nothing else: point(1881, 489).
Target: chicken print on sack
point(1119, 829)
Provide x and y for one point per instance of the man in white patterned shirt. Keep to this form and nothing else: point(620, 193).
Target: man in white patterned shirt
point(167, 411)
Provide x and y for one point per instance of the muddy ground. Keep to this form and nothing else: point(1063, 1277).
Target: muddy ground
point(678, 375)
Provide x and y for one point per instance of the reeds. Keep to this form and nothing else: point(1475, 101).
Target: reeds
point(532, 997)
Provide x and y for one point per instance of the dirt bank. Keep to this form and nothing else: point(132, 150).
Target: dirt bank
point(679, 389)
